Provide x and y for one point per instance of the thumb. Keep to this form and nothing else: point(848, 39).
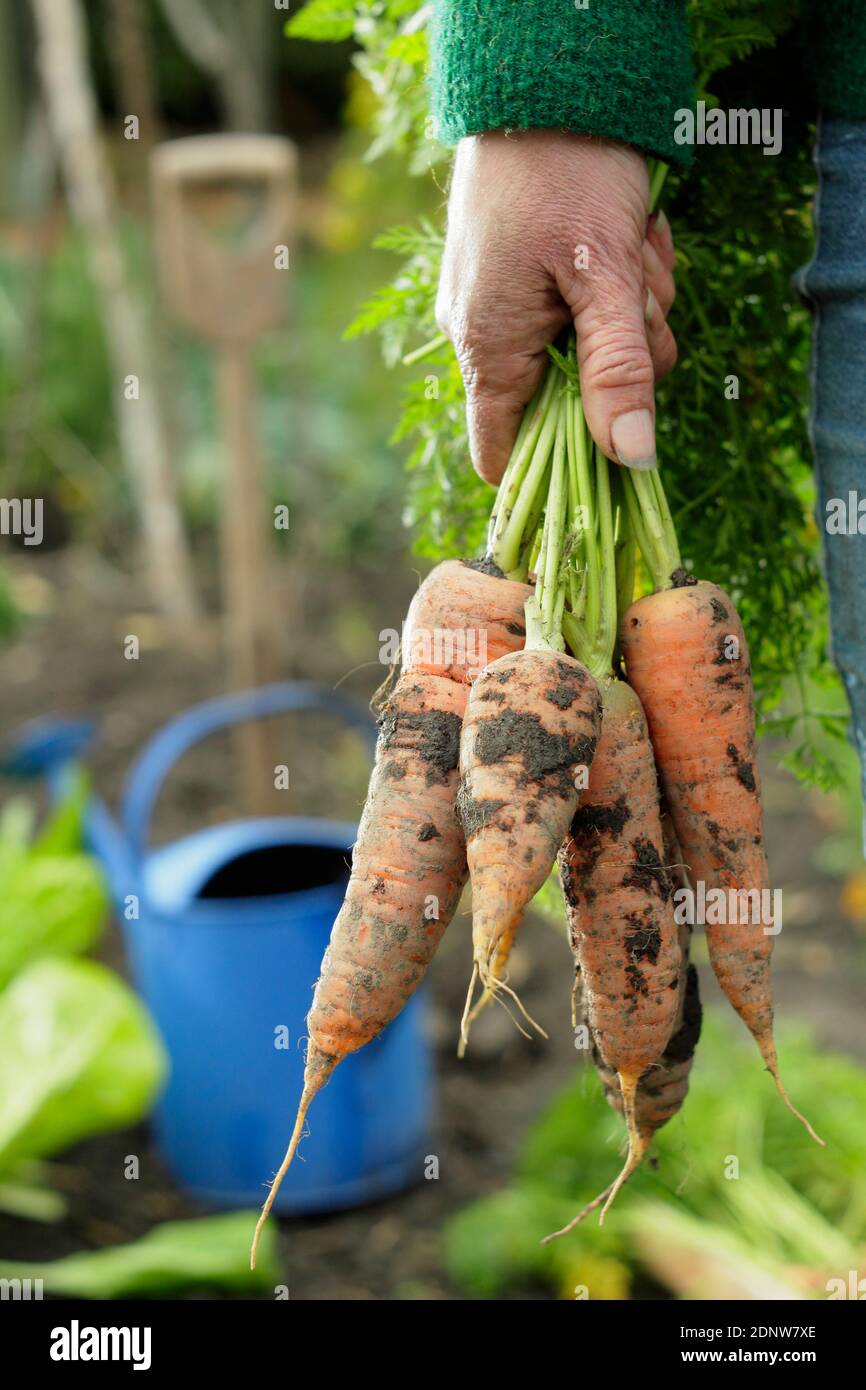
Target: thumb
point(616, 368)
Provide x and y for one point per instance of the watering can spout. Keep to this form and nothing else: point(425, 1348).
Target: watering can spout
point(51, 747)
point(43, 747)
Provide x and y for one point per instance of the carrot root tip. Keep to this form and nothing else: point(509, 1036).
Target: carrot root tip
point(637, 1146)
point(794, 1111)
point(637, 1143)
point(317, 1072)
point(497, 985)
point(581, 1216)
point(768, 1052)
point(469, 1013)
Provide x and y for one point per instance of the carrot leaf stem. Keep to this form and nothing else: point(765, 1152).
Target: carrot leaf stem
point(591, 632)
point(635, 517)
point(625, 551)
point(653, 525)
point(506, 550)
point(586, 512)
point(575, 634)
point(515, 470)
point(534, 551)
point(667, 520)
point(532, 537)
point(658, 172)
point(523, 477)
point(535, 638)
point(605, 638)
point(531, 420)
point(551, 578)
point(574, 545)
point(425, 350)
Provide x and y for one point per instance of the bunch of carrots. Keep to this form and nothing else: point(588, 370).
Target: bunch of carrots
point(611, 739)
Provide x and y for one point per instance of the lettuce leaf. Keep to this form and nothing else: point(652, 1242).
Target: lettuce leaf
point(78, 1055)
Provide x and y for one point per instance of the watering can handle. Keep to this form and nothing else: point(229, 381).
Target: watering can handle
point(159, 755)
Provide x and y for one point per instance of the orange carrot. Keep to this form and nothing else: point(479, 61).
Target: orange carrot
point(463, 616)
point(686, 655)
point(409, 860)
point(618, 897)
point(703, 731)
point(529, 734)
point(662, 1090)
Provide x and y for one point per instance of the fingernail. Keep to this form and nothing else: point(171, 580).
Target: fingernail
point(663, 225)
point(652, 262)
point(634, 439)
point(650, 306)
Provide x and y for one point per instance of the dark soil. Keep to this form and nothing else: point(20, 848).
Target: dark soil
point(646, 870)
point(433, 734)
point(542, 752)
point(589, 820)
point(681, 579)
point(474, 815)
point(563, 696)
point(745, 770)
point(485, 565)
point(683, 1043)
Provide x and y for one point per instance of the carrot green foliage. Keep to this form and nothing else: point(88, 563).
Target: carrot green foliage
point(733, 445)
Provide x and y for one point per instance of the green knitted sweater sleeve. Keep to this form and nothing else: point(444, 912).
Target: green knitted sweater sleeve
point(834, 42)
point(616, 68)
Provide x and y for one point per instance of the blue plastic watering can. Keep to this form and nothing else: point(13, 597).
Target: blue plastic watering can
point(225, 930)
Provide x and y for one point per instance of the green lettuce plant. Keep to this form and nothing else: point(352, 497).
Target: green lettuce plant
point(79, 1056)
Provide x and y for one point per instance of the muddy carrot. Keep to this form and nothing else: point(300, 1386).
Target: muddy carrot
point(687, 657)
point(528, 736)
point(528, 739)
point(409, 860)
point(617, 888)
point(662, 1089)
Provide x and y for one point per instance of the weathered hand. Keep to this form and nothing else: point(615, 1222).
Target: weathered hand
point(544, 228)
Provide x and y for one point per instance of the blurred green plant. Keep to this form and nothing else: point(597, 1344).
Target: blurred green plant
point(392, 58)
point(10, 614)
point(447, 503)
point(56, 426)
point(179, 1256)
point(78, 1055)
point(787, 1215)
point(53, 899)
point(56, 423)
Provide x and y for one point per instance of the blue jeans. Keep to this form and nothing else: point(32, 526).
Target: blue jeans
point(834, 285)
